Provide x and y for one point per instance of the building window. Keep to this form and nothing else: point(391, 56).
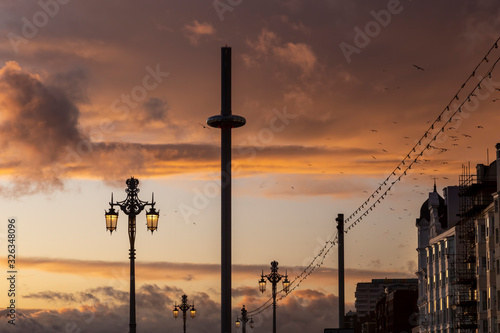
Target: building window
point(489, 298)
point(496, 235)
point(485, 325)
point(484, 297)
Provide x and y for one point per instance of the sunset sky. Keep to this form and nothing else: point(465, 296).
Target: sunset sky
point(94, 92)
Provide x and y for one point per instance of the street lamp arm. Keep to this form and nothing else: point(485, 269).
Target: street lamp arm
point(132, 205)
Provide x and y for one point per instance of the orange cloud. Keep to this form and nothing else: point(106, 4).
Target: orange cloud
point(197, 30)
point(167, 271)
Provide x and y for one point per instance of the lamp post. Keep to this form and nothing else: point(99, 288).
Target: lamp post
point(274, 277)
point(244, 319)
point(184, 306)
point(132, 206)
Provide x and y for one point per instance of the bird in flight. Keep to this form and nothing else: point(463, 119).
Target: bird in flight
point(204, 126)
point(467, 135)
point(479, 126)
point(374, 157)
point(494, 100)
point(374, 131)
point(419, 68)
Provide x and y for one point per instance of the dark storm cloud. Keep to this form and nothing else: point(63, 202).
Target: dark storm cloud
point(38, 118)
point(155, 109)
point(154, 313)
point(74, 83)
point(63, 297)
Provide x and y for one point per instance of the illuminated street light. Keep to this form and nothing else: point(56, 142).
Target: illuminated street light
point(274, 277)
point(184, 307)
point(244, 319)
point(132, 206)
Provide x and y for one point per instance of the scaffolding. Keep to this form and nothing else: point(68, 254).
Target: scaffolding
point(474, 196)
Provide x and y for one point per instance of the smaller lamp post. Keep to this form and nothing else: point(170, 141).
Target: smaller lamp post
point(184, 307)
point(274, 277)
point(244, 319)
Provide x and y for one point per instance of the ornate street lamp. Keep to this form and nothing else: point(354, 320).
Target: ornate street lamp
point(274, 277)
point(244, 319)
point(184, 306)
point(132, 206)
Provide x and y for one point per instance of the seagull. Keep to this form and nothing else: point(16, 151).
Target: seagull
point(467, 135)
point(479, 126)
point(374, 157)
point(407, 137)
point(494, 100)
point(385, 151)
point(418, 68)
point(374, 130)
point(445, 177)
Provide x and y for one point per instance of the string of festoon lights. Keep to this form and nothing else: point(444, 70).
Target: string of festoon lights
point(442, 123)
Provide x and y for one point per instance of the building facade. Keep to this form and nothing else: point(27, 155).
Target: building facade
point(396, 311)
point(437, 249)
point(368, 293)
point(459, 254)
